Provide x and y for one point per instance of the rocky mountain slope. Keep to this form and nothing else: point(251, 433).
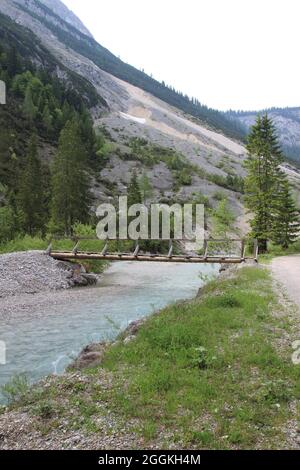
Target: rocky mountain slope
point(148, 132)
point(287, 122)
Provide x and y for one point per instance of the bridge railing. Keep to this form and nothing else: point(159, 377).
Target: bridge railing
point(216, 250)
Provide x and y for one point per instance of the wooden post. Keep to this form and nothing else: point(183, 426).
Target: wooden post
point(105, 249)
point(75, 250)
point(205, 248)
point(255, 254)
point(49, 249)
point(243, 250)
point(137, 249)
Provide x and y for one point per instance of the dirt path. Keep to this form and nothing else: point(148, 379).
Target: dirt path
point(286, 270)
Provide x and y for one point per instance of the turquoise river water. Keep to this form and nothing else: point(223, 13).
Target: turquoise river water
point(44, 339)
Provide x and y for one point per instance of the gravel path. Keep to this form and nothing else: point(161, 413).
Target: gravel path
point(286, 270)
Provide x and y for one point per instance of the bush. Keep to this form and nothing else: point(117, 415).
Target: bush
point(15, 390)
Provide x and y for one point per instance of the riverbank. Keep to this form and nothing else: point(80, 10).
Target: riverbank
point(209, 373)
point(31, 278)
point(32, 272)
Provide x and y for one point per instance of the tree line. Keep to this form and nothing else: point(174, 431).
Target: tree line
point(43, 111)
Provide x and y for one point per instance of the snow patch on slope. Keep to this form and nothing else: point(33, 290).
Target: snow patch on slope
point(128, 117)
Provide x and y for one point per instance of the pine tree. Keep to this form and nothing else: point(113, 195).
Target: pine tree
point(264, 158)
point(8, 159)
point(29, 108)
point(286, 225)
point(146, 188)
point(134, 192)
point(30, 196)
point(13, 62)
point(47, 118)
point(70, 182)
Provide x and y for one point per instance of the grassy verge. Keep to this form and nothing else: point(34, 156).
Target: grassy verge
point(207, 370)
point(201, 374)
point(275, 250)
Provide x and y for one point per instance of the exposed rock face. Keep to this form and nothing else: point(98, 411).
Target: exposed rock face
point(59, 9)
point(67, 15)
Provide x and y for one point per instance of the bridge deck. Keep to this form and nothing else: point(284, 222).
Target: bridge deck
point(171, 257)
point(68, 255)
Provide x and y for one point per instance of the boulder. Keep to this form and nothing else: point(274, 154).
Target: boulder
point(90, 356)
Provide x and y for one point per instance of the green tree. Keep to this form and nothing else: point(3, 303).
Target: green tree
point(146, 187)
point(286, 224)
point(8, 160)
point(47, 118)
point(13, 62)
point(264, 158)
point(223, 219)
point(71, 197)
point(9, 226)
point(30, 195)
point(29, 108)
point(134, 192)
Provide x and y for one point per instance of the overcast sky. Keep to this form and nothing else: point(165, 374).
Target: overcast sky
point(238, 54)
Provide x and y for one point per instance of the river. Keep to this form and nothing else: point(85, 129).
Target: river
point(46, 339)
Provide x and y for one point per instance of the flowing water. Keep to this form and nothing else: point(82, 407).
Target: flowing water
point(46, 339)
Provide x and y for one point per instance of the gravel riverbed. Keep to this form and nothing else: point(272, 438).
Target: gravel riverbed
point(32, 272)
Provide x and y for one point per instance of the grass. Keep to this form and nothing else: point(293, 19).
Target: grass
point(207, 370)
point(28, 243)
point(200, 374)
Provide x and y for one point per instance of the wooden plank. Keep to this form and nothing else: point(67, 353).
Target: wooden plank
point(146, 257)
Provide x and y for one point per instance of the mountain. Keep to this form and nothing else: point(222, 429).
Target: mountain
point(186, 150)
point(53, 17)
point(57, 7)
point(287, 122)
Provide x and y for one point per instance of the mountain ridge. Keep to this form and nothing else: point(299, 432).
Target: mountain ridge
point(287, 123)
point(102, 57)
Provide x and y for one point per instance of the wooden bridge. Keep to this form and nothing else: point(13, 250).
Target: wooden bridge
point(137, 255)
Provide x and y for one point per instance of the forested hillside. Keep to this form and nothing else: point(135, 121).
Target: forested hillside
point(42, 98)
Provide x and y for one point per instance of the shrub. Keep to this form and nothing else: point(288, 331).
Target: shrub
point(15, 390)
